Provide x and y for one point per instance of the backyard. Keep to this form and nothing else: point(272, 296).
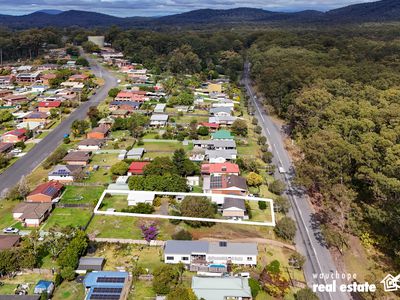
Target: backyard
point(64, 217)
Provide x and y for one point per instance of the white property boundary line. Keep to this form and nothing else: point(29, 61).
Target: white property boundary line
point(150, 216)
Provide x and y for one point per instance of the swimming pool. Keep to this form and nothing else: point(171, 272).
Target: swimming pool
point(216, 266)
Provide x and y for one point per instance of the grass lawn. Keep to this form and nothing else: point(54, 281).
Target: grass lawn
point(82, 194)
point(106, 159)
point(142, 290)
point(161, 146)
point(63, 217)
point(187, 119)
point(27, 278)
point(118, 202)
point(69, 290)
point(259, 215)
point(6, 218)
point(102, 175)
point(126, 227)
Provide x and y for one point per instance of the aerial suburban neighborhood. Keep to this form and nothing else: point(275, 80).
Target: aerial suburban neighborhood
point(232, 154)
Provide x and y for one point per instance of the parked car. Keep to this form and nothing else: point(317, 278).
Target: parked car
point(10, 230)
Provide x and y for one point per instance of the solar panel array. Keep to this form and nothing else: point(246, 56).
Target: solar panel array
point(50, 191)
point(216, 182)
point(111, 279)
point(107, 290)
point(105, 296)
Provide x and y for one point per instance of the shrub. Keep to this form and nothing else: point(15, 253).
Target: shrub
point(277, 187)
point(285, 228)
point(262, 205)
point(182, 235)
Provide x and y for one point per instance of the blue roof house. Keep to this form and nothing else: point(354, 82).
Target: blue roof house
point(105, 285)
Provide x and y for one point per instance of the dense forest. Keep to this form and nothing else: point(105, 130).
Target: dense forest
point(338, 89)
point(340, 93)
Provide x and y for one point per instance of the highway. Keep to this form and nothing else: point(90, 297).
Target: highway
point(26, 164)
point(308, 237)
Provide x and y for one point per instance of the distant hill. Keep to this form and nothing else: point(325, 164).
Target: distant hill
point(50, 11)
point(380, 11)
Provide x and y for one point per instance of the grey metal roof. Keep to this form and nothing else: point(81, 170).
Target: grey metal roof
point(136, 151)
point(225, 247)
point(92, 261)
point(159, 118)
point(215, 110)
point(221, 153)
point(220, 288)
point(216, 143)
point(185, 247)
point(234, 202)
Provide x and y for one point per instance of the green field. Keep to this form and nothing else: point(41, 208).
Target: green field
point(82, 194)
point(63, 217)
point(118, 202)
point(69, 290)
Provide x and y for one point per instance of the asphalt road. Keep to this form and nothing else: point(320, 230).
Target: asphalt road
point(26, 164)
point(308, 239)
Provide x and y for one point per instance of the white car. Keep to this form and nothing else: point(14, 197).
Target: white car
point(282, 170)
point(10, 230)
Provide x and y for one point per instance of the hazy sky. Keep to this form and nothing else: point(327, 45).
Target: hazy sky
point(125, 8)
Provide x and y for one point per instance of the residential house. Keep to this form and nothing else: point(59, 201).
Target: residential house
point(64, 173)
point(32, 126)
point(39, 88)
point(221, 288)
point(234, 208)
point(46, 106)
point(13, 100)
point(8, 241)
point(220, 111)
point(125, 105)
point(220, 156)
point(135, 153)
point(44, 286)
point(215, 144)
point(213, 88)
point(77, 158)
point(5, 93)
point(7, 81)
point(224, 103)
point(222, 120)
point(90, 144)
point(222, 135)
point(15, 136)
point(36, 116)
point(45, 192)
point(99, 132)
point(137, 167)
point(211, 126)
point(225, 184)
point(23, 78)
point(46, 78)
point(89, 264)
point(32, 214)
point(160, 108)
point(209, 253)
point(134, 96)
point(78, 77)
point(158, 120)
point(220, 169)
point(6, 147)
point(136, 197)
point(106, 285)
point(120, 113)
point(106, 122)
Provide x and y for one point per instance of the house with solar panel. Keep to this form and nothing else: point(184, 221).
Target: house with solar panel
point(64, 173)
point(46, 192)
point(110, 285)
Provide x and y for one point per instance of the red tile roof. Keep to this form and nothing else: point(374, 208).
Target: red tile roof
point(49, 104)
point(51, 188)
point(17, 132)
point(210, 125)
point(225, 168)
point(137, 167)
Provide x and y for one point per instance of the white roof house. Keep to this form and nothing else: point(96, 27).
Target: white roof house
point(136, 197)
point(135, 153)
point(159, 120)
point(209, 253)
point(160, 108)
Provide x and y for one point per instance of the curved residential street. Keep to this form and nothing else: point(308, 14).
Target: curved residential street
point(308, 239)
point(26, 164)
